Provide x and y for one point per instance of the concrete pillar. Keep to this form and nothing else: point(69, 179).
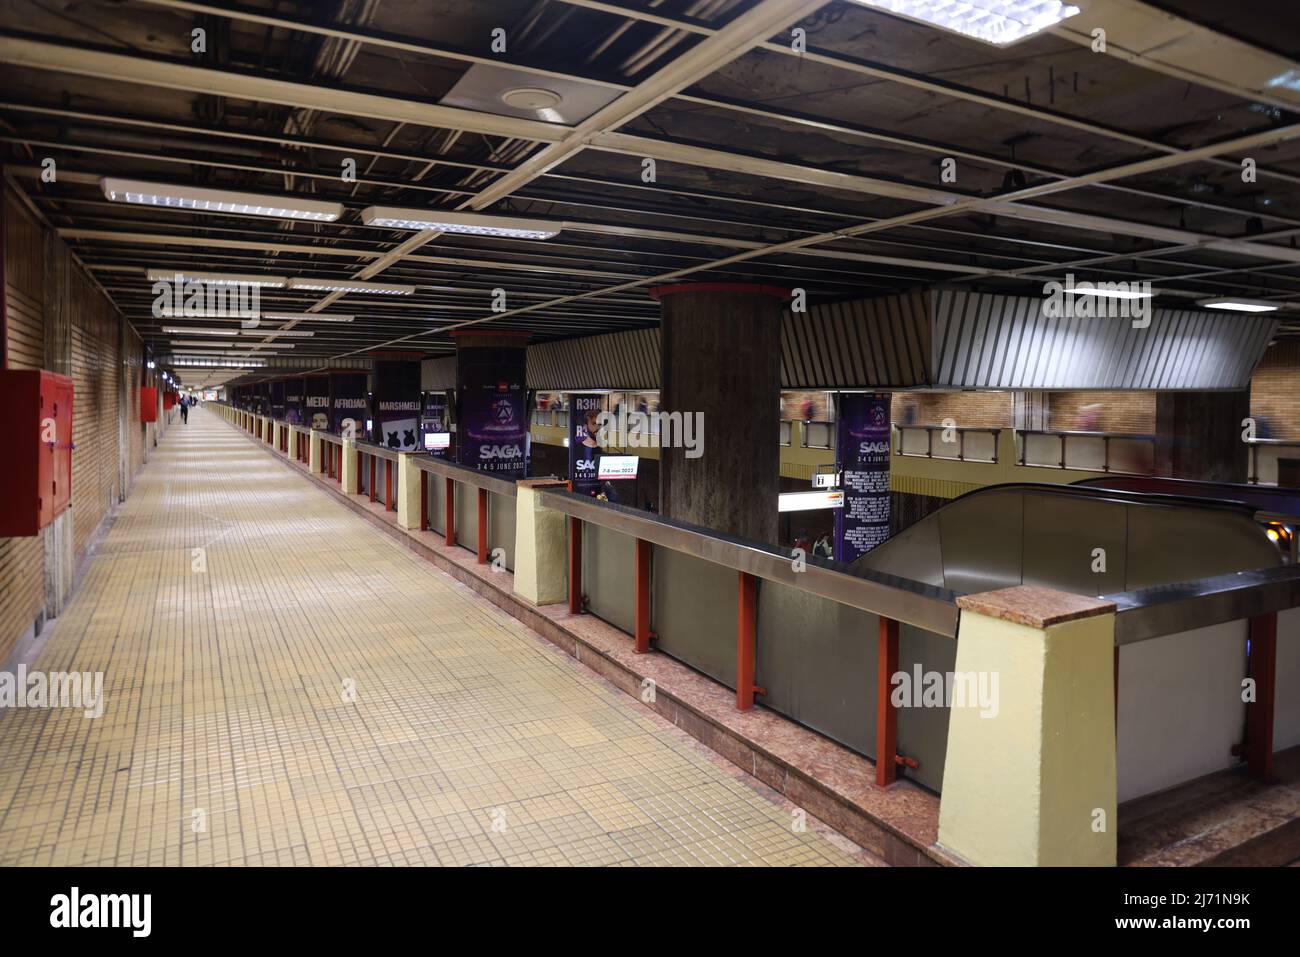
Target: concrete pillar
point(314, 452)
point(1199, 435)
point(720, 356)
point(350, 475)
point(540, 546)
point(408, 490)
point(1029, 780)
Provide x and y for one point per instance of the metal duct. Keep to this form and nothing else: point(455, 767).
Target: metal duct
point(877, 343)
point(616, 360)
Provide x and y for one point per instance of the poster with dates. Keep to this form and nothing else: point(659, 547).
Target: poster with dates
point(862, 454)
point(584, 446)
point(492, 419)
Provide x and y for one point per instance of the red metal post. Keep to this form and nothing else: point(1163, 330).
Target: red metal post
point(575, 565)
point(746, 619)
point(374, 494)
point(424, 501)
point(388, 484)
point(360, 461)
point(642, 596)
point(338, 464)
point(886, 714)
point(482, 526)
point(449, 512)
point(1259, 713)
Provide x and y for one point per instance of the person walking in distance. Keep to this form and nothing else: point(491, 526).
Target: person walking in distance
point(185, 410)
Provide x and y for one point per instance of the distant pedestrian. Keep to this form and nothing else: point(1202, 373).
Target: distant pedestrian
point(185, 410)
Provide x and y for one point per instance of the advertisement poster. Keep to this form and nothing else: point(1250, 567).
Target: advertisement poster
point(316, 402)
point(584, 447)
point(492, 420)
point(435, 427)
point(349, 400)
point(262, 398)
point(862, 453)
point(277, 399)
point(397, 404)
point(293, 401)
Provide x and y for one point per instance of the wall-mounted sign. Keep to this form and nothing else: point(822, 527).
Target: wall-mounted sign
point(436, 441)
point(316, 402)
point(826, 480)
point(398, 403)
point(349, 401)
point(492, 418)
point(807, 501)
point(617, 467)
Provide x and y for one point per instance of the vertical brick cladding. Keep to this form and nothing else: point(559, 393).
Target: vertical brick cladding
point(103, 352)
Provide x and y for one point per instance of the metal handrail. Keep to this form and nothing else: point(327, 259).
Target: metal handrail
point(463, 473)
point(916, 603)
point(1170, 609)
point(378, 451)
point(961, 442)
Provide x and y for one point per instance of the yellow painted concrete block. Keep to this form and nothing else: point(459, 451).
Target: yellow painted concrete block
point(1034, 784)
point(314, 452)
point(540, 571)
point(408, 491)
point(351, 476)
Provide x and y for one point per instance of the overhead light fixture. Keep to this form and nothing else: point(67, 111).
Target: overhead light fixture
point(351, 285)
point(202, 200)
point(1102, 292)
point(198, 344)
point(999, 22)
point(471, 224)
point(1239, 305)
point(306, 317)
point(197, 363)
point(175, 330)
point(271, 331)
point(215, 278)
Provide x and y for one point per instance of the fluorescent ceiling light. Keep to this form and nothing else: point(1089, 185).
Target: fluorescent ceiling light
point(174, 330)
point(472, 224)
point(1087, 289)
point(215, 278)
point(198, 344)
point(1239, 305)
point(351, 285)
point(306, 317)
point(220, 364)
point(994, 21)
point(201, 200)
point(273, 331)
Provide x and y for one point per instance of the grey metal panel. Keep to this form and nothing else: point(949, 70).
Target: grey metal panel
point(923, 731)
point(1060, 535)
point(615, 360)
point(690, 615)
point(437, 504)
point(1185, 544)
point(981, 543)
point(1180, 349)
point(817, 660)
point(467, 517)
point(501, 526)
point(609, 575)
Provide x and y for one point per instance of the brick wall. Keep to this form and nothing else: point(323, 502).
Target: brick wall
point(1118, 412)
point(1275, 390)
point(50, 299)
point(977, 410)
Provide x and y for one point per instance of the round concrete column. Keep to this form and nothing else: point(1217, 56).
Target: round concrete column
point(720, 362)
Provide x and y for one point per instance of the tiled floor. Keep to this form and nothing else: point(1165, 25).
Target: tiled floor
point(284, 684)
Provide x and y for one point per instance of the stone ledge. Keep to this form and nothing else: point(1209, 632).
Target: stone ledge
point(1033, 606)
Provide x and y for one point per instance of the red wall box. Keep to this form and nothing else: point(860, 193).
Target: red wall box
point(36, 482)
point(169, 399)
point(148, 403)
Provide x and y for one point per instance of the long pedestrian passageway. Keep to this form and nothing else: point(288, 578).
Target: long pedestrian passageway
point(284, 684)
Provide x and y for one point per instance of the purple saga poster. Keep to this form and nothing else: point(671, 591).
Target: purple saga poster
point(397, 404)
point(584, 448)
point(862, 459)
point(492, 417)
point(348, 400)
